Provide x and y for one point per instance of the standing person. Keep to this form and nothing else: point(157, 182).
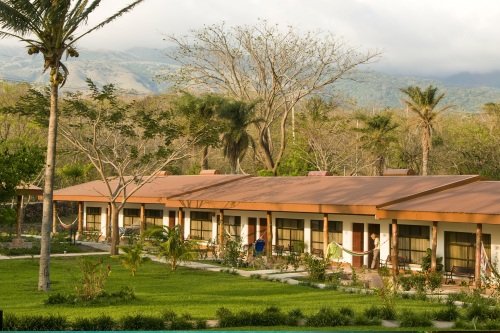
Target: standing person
point(376, 250)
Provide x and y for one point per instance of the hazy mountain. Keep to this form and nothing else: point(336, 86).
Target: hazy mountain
point(136, 71)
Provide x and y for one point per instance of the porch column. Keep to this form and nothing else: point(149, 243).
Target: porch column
point(143, 218)
point(477, 268)
point(325, 235)
point(19, 218)
point(54, 217)
point(394, 248)
point(221, 227)
point(80, 219)
point(181, 221)
point(434, 246)
point(269, 232)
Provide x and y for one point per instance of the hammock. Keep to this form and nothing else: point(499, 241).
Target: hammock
point(334, 251)
point(67, 226)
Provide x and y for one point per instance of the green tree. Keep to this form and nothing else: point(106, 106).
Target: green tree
point(50, 28)
point(237, 116)
point(423, 103)
point(377, 136)
point(203, 124)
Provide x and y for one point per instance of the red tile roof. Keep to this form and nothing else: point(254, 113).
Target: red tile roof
point(459, 204)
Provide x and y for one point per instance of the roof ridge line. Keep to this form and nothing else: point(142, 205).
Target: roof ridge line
point(433, 190)
point(208, 186)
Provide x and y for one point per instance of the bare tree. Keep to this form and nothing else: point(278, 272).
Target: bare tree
point(127, 145)
point(276, 67)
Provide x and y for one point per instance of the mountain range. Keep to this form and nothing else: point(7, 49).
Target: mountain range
point(138, 71)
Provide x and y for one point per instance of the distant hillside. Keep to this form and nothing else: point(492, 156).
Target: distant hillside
point(135, 71)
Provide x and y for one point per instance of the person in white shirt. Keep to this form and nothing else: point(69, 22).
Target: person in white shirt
point(376, 250)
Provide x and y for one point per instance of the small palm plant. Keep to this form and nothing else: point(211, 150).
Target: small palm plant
point(170, 244)
point(132, 258)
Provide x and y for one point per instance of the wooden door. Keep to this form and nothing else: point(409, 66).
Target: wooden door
point(358, 230)
point(373, 229)
point(262, 228)
point(252, 230)
point(171, 218)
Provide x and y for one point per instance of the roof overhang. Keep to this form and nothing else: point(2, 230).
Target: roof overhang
point(438, 216)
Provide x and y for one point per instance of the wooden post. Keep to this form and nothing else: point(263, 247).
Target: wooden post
point(325, 235)
point(477, 268)
point(394, 249)
point(54, 217)
point(20, 214)
point(434, 246)
point(143, 218)
point(269, 233)
point(80, 217)
point(221, 227)
point(181, 221)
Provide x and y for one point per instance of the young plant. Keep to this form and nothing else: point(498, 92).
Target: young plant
point(170, 244)
point(132, 258)
point(93, 279)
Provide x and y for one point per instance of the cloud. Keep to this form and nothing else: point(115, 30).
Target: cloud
point(418, 37)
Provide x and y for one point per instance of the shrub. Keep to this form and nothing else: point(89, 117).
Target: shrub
point(365, 321)
point(316, 267)
point(418, 282)
point(405, 282)
point(294, 316)
point(201, 324)
point(182, 323)
point(226, 318)
point(168, 315)
point(140, 322)
point(327, 317)
point(434, 280)
point(409, 318)
point(58, 299)
point(334, 280)
point(426, 262)
point(231, 254)
point(93, 279)
point(450, 313)
point(345, 311)
point(102, 323)
point(271, 316)
point(35, 323)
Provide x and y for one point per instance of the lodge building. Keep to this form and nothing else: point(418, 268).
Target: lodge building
point(445, 213)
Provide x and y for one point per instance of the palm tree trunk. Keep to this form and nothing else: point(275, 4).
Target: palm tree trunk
point(115, 232)
point(204, 158)
point(426, 136)
point(44, 271)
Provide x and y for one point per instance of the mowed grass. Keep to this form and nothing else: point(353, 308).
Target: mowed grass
point(199, 293)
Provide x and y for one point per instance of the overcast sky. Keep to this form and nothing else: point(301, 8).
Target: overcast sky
point(428, 37)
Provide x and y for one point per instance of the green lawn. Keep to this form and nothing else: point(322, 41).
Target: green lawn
point(199, 293)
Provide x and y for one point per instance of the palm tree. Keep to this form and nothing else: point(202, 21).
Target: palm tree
point(376, 137)
point(423, 103)
point(50, 27)
point(236, 139)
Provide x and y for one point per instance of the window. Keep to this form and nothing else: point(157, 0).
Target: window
point(201, 225)
point(232, 226)
point(413, 241)
point(93, 219)
point(154, 217)
point(290, 232)
point(334, 233)
point(131, 217)
point(460, 249)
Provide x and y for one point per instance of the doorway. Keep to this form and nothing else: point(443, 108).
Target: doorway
point(358, 230)
point(252, 230)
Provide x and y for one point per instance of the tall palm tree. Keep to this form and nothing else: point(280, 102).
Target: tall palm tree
point(376, 136)
point(235, 139)
point(50, 27)
point(424, 104)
